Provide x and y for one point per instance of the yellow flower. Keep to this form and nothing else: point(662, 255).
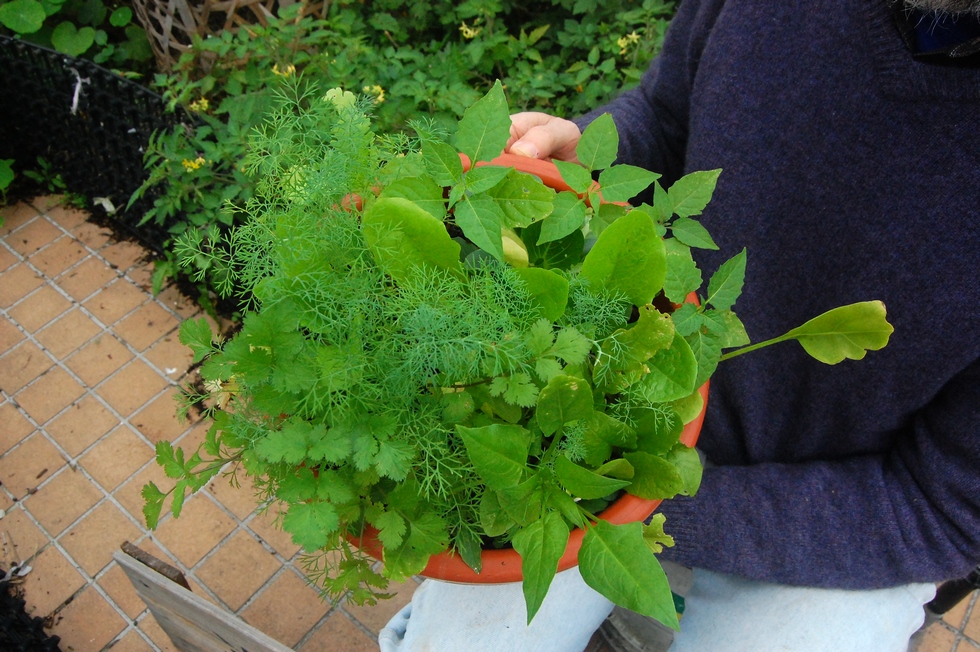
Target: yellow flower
point(200, 106)
point(377, 92)
point(625, 42)
point(190, 166)
point(286, 72)
point(469, 32)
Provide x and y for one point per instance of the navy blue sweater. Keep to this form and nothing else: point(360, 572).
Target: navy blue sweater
point(851, 172)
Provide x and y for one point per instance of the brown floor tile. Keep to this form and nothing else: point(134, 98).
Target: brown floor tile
point(158, 421)
point(132, 387)
point(142, 275)
point(287, 609)
point(39, 308)
point(92, 541)
point(15, 216)
point(171, 357)
point(177, 301)
point(99, 358)
point(148, 625)
point(30, 464)
point(120, 590)
point(7, 259)
point(339, 632)
point(376, 617)
point(193, 439)
point(10, 335)
point(21, 539)
point(28, 239)
point(52, 581)
point(121, 454)
point(68, 333)
point(201, 526)
point(81, 425)
point(146, 325)
point(972, 628)
point(59, 256)
point(67, 217)
point(16, 283)
point(87, 623)
point(94, 236)
point(115, 301)
point(264, 526)
point(937, 639)
point(15, 426)
point(85, 278)
point(130, 494)
point(956, 616)
point(223, 572)
point(131, 642)
point(60, 502)
point(240, 500)
point(123, 254)
point(21, 365)
point(49, 395)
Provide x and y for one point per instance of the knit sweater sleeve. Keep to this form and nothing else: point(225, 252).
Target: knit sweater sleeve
point(912, 514)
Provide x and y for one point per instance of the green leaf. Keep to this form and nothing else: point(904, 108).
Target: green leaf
point(485, 126)
point(687, 319)
point(427, 536)
point(328, 445)
point(691, 233)
point(493, 518)
point(6, 173)
point(707, 351)
point(484, 178)
point(523, 502)
point(481, 220)
point(688, 464)
point(673, 372)
point(179, 494)
point(617, 468)
point(548, 290)
point(311, 524)
point(152, 504)
point(517, 389)
point(559, 254)
point(196, 334)
point(567, 217)
point(442, 162)
point(654, 536)
point(547, 368)
point(725, 285)
point(394, 459)
point(540, 545)
point(657, 429)
point(522, 199)
point(391, 529)
point(171, 460)
point(629, 257)
point(598, 147)
point(571, 346)
point(403, 237)
point(847, 332)
point(22, 16)
point(289, 444)
point(623, 182)
point(540, 337)
point(616, 562)
point(732, 332)
point(683, 275)
point(469, 546)
point(121, 17)
point(422, 191)
point(577, 177)
point(606, 215)
point(564, 399)
point(653, 476)
point(582, 482)
point(72, 41)
point(692, 192)
point(498, 452)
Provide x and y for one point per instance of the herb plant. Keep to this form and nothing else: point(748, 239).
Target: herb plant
point(431, 352)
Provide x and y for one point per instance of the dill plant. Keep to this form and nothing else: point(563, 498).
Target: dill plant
point(433, 359)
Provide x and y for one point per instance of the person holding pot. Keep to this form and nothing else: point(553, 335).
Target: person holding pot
point(835, 498)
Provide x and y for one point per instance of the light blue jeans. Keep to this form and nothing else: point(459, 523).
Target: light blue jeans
point(722, 613)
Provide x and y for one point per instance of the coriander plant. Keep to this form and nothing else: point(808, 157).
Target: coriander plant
point(462, 358)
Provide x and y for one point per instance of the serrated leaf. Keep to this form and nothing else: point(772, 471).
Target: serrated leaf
point(582, 482)
point(289, 444)
point(196, 334)
point(548, 290)
point(403, 237)
point(725, 285)
point(623, 182)
point(498, 453)
point(485, 126)
point(628, 258)
point(152, 504)
point(577, 177)
point(692, 192)
point(394, 459)
point(179, 493)
point(442, 162)
point(567, 216)
point(167, 457)
point(615, 561)
point(707, 351)
point(547, 368)
point(311, 524)
point(540, 545)
point(517, 389)
point(571, 346)
point(847, 332)
point(540, 337)
point(691, 233)
point(663, 209)
point(683, 275)
point(481, 220)
point(598, 147)
point(328, 445)
point(564, 399)
point(654, 536)
point(391, 529)
point(653, 476)
point(427, 536)
point(687, 319)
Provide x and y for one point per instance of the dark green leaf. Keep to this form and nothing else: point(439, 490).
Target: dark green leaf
point(498, 452)
point(540, 545)
point(623, 182)
point(564, 399)
point(725, 285)
point(567, 217)
point(485, 126)
point(582, 482)
point(22, 16)
point(653, 476)
point(481, 220)
point(599, 145)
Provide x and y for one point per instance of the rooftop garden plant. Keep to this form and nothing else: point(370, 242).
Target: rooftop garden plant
point(454, 357)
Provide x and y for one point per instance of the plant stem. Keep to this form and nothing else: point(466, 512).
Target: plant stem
point(752, 347)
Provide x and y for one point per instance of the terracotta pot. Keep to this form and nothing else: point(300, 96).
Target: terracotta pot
point(504, 565)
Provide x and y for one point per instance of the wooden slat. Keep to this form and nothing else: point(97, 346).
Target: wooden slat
point(191, 622)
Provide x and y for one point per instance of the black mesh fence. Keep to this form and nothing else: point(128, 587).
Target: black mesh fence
point(89, 123)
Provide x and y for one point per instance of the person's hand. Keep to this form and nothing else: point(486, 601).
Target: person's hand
point(543, 136)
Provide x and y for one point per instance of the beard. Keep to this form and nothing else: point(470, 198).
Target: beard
point(946, 6)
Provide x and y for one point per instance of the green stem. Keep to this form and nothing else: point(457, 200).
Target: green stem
point(752, 347)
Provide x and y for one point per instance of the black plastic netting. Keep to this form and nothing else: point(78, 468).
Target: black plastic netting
point(20, 632)
point(90, 124)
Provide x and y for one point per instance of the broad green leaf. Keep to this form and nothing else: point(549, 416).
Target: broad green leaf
point(391, 529)
point(485, 126)
point(457, 406)
point(653, 331)
point(498, 452)
point(617, 468)
point(691, 233)
point(442, 162)
point(845, 332)
point(616, 562)
point(196, 334)
point(707, 351)
point(522, 199)
point(567, 506)
point(427, 536)
point(484, 178)
point(687, 319)
point(653, 476)
point(623, 182)
point(422, 191)
point(330, 445)
point(481, 220)
point(629, 258)
point(564, 399)
point(540, 545)
point(403, 237)
point(559, 254)
point(683, 275)
point(598, 147)
point(72, 41)
point(6, 173)
point(654, 536)
point(606, 215)
point(515, 253)
point(577, 177)
point(548, 289)
point(612, 430)
point(22, 16)
point(493, 518)
point(582, 482)
point(673, 372)
point(523, 502)
point(121, 17)
point(692, 192)
point(470, 548)
point(311, 524)
point(689, 407)
point(732, 332)
point(663, 209)
point(726, 284)
point(657, 429)
point(567, 217)
point(688, 464)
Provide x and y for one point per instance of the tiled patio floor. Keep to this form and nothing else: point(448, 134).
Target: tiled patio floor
point(89, 366)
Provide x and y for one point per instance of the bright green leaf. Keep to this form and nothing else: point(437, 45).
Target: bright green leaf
point(567, 217)
point(22, 16)
point(629, 258)
point(485, 126)
point(481, 220)
point(845, 332)
point(196, 334)
point(498, 452)
point(564, 399)
point(623, 182)
point(403, 237)
point(540, 545)
point(653, 476)
point(582, 482)
point(311, 524)
point(673, 372)
point(691, 233)
point(599, 145)
point(522, 199)
point(577, 177)
point(725, 285)
point(692, 192)
point(70, 40)
point(548, 290)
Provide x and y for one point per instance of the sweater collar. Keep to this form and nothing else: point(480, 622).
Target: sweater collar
point(941, 39)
